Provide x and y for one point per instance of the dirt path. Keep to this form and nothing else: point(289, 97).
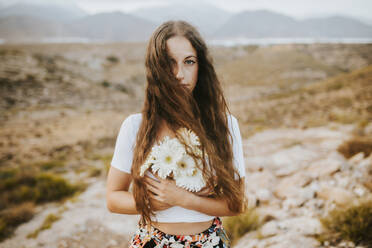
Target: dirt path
point(85, 222)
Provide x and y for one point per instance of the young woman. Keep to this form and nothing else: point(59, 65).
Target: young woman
point(183, 93)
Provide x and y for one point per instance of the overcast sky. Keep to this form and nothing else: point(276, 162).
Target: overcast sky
point(294, 8)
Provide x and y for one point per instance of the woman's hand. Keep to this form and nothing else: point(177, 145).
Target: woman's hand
point(157, 205)
point(166, 192)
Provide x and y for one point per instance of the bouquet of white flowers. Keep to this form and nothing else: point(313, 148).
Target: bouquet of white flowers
point(170, 157)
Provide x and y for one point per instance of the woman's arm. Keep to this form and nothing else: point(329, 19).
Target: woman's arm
point(118, 199)
point(166, 191)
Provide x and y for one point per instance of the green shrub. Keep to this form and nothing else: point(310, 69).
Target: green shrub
point(51, 187)
point(13, 217)
point(122, 88)
point(23, 193)
point(24, 186)
point(95, 172)
point(237, 226)
point(344, 117)
point(3, 230)
point(112, 59)
point(106, 159)
point(336, 85)
point(17, 179)
point(353, 224)
point(8, 173)
point(106, 84)
point(51, 164)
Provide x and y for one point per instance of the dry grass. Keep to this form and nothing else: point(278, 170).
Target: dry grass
point(95, 172)
point(353, 224)
point(12, 217)
point(21, 188)
point(345, 99)
point(106, 160)
point(50, 165)
point(355, 146)
point(48, 222)
point(237, 226)
point(270, 65)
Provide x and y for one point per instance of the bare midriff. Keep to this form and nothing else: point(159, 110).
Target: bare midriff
point(183, 228)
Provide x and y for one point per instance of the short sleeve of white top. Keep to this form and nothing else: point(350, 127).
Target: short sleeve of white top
point(123, 157)
point(125, 141)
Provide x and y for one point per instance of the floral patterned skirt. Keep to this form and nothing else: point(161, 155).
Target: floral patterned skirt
point(214, 236)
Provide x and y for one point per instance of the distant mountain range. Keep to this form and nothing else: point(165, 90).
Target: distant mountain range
point(52, 12)
point(114, 26)
point(263, 24)
point(207, 18)
point(22, 22)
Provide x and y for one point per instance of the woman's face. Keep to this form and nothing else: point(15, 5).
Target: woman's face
point(184, 61)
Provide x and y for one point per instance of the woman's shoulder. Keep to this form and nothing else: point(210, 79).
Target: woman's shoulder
point(231, 119)
point(231, 116)
point(134, 118)
point(132, 122)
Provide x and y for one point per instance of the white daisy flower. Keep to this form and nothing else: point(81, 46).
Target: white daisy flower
point(193, 182)
point(147, 164)
point(190, 137)
point(167, 154)
point(185, 165)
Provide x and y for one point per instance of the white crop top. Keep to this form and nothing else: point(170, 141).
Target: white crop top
point(123, 157)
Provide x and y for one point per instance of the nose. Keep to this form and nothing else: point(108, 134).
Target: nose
point(179, 72)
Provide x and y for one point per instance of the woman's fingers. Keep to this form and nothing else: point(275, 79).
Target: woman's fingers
point(154, 192)
point(152, 189)
point(161, 185)
point(158, 205)
point(152, 181)
point(166, 191)
point(157, 198)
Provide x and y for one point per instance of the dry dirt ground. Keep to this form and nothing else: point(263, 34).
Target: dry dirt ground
point(68, 102)
point(285, 170)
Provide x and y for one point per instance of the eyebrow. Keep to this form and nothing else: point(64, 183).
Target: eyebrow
point(191, 56)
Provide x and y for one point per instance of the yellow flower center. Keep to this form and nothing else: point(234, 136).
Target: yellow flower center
point(168, 159)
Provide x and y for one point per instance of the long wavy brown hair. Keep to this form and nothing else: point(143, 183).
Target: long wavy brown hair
point(204, 111)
